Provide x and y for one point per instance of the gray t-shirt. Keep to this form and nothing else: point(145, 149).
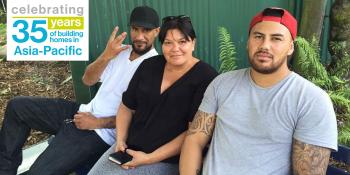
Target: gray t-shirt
point(255, 126)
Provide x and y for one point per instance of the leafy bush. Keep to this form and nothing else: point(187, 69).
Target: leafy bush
point(227, 51)
point(307, 62)
point(2, 34)
point(341, 59)
point(2, 14)
point(2, 39)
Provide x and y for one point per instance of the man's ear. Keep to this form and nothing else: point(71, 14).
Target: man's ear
point(157, 30)
point(247, 44)
point(291, 49)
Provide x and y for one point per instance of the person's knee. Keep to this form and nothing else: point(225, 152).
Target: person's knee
point(17, 108)
point(16, 102)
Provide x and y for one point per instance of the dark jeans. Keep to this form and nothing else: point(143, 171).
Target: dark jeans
point(70, 148)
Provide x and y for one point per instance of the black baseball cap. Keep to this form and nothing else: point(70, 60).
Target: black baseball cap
point(144, 16)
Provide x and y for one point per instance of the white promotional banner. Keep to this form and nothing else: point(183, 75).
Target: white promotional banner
point(48, 30)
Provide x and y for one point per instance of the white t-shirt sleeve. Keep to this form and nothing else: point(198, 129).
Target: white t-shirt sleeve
point(317, 124)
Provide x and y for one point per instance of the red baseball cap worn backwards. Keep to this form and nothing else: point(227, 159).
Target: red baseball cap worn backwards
point(279, 15)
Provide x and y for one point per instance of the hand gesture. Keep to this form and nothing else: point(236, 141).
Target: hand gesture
point(114, 44)
point(85, 120)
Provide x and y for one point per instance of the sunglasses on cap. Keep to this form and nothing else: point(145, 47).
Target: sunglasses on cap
point(180, 18)
point(273, 12)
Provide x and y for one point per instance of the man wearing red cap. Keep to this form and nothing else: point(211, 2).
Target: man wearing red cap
point(264, 119)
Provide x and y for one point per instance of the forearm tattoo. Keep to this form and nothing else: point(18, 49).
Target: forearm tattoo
point(309, 159)
point(202, 122)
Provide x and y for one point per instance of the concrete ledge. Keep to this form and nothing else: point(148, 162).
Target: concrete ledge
point(30, 155)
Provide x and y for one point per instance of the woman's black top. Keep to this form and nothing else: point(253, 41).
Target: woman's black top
point(159, 118)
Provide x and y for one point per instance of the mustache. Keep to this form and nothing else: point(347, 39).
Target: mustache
point(263, 52)
point(139, 42)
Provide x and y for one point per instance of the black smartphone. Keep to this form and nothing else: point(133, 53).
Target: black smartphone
point(120, 157)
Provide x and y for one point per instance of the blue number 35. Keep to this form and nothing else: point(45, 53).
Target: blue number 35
point(35, 28)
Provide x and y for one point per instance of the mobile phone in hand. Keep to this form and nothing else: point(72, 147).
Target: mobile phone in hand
point(120, 157)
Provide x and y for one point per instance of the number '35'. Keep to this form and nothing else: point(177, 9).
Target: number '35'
point(35, 28)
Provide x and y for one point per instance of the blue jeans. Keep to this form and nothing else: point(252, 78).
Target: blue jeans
point(70, 148)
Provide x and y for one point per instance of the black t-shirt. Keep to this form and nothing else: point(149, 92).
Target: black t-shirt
point(159, 118)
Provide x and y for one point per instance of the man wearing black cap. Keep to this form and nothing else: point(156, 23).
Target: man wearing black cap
point(264, 119)
point(82, 132)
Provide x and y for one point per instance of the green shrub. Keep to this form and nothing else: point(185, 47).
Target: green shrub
point(307, 62)
point(227, 51)
point(2, 14)
point(2, 34)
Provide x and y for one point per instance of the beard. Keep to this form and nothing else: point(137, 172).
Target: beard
point(271, 68)
point(141, 51)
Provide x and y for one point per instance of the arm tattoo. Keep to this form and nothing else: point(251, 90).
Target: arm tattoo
point(309, 159)
point(202, 122)
point(108, 122)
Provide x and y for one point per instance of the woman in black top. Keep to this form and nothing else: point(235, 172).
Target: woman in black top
point(158, 105)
